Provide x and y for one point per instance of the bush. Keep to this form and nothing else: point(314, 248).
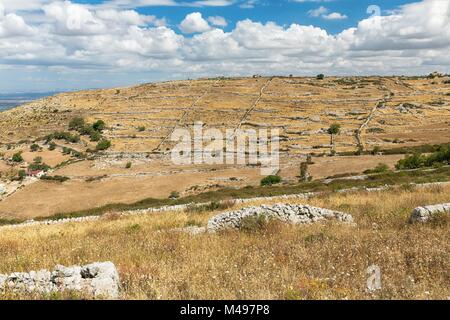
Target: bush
point(376, 150)
point(411, 162)
point(380, 168)
point(17, 157)
point(270, 180)
point(76, 123)
point(55, 178)
point(34, 147)
point(174, 195)
point(103, 145)
point(37, 160)
point(128, 165)
point(99, 125)
point(21, 174)
point(442, 156)
point(141, 129)
point(95, 136)
point(52, 146)
point(39, 166)
point(253, 224)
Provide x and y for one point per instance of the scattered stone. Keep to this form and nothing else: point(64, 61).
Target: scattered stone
point(99, 280)
point(424, 214)
point(289, 213)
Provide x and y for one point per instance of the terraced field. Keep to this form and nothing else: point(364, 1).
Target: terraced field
point(384, 112)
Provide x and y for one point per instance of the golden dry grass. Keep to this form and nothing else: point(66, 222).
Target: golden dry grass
point(322, 261)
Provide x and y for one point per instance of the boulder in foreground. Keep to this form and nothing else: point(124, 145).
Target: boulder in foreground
point(99, 280)
point(424, 214)
point(289, 213)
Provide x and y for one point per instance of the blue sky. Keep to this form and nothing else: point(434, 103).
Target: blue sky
point(62, 45)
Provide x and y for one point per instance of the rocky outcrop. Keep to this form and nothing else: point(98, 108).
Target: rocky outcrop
point(424, 214)
point(289, 213)
point(98, 280)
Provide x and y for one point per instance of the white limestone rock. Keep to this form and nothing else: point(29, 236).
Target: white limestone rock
point(100, 280)
point(289, 213)
point(424, 214)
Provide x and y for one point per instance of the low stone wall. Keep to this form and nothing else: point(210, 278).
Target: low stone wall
point(295, 214)
point(99, 280)
point(424, 214)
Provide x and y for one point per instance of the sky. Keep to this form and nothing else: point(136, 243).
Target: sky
point(61, 45)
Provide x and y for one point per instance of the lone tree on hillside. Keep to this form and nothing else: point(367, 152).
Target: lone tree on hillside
point(320, 76)
point(333, 130)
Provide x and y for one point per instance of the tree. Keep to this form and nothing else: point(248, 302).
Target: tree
point(333, 130)
point(320, 76)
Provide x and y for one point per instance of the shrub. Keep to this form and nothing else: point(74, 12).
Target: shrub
point(253, 224)
point(52, 146)
point(55, 178)
point(128, 165)
point(37, 160)
point(141, 129)
point(99, 125)
point(76, 123)
point(103, 145)
point(21, 174)
point(376, 150)
point(380, 168)
point(34, 147)
point(442, 156)
point(17, 157)
point(270, 180)
point(411, 162)
point(174, 195)
point(95, 136)
point(39, 166)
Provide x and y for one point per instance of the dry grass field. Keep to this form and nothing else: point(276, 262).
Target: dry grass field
point(275, 261)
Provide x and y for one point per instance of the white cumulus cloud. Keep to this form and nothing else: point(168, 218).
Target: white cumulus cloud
point(194, 23)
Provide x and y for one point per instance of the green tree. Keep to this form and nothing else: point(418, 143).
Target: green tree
point(320, 76)
point(333, 130)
